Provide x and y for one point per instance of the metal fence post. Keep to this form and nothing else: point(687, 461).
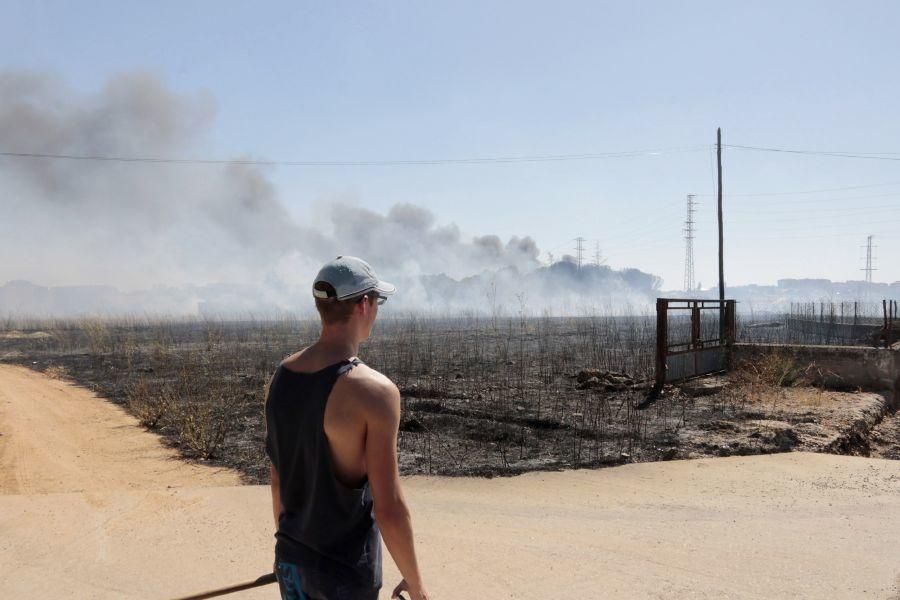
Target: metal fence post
point(662, 340)
point(730, 322)
point(696, 340)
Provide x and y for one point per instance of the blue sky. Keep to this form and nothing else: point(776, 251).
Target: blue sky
point(417, 80)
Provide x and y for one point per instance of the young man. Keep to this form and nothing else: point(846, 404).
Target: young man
point(331, 435)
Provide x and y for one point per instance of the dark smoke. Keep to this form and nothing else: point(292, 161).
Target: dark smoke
point(130, 224)
point(138, 225)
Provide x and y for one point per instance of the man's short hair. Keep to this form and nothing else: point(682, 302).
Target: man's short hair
point(331, 309)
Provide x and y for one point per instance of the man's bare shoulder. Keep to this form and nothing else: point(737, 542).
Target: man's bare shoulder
point(379, 395)
point(364, 379)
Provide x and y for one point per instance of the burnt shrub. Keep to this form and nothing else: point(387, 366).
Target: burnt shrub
point(203, 422)
point(149, 405)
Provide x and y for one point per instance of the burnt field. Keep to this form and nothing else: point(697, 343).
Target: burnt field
point(481, 396)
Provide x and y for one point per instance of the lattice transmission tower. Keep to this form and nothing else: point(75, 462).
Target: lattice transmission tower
point(869, 259)
point(689, 244)
point(579, 251)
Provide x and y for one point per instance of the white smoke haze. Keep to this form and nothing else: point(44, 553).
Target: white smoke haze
point(182, 238)
point(132, 225)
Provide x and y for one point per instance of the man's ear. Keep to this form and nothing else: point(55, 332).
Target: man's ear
point(362, 305)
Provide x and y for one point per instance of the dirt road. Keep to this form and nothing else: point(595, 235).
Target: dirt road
point(56, 437)
point(780, 526)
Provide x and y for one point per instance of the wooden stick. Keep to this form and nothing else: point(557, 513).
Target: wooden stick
point(258, 582)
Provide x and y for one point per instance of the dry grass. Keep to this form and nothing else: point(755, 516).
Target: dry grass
point(18, 335)
point(778, 368)
point(809, 397)
point(56, 372)
point(481, 395)
point(203, 426)
point(148, 405)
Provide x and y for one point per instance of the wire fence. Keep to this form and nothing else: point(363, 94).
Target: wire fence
point(824, 323)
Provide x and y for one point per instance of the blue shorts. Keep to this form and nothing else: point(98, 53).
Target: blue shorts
point(298, 583)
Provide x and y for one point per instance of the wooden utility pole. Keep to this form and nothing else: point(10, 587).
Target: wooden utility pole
point(721, 242)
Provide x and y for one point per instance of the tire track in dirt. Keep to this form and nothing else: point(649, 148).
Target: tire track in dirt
point(57, 437)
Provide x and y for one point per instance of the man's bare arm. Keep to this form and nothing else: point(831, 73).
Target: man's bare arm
point(391, 512)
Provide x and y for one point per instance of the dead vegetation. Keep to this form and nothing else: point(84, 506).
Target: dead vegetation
point(487, 396)
point(56, 372)
point(148, 405)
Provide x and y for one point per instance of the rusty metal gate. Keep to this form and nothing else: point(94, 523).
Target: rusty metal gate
point(704, 344)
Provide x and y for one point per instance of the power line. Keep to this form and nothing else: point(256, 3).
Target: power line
point(893, 156)
point(712, 173)
point(844, 219)
point(624, 235)
point(829, 236)
point(823, 204)
point(819, 191)
point(843, 226)
point(869, 155)
point(352, 163)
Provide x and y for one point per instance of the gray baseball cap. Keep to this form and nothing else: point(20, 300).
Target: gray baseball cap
point(350, 276)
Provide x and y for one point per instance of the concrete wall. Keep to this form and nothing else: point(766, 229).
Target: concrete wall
point(838, 367)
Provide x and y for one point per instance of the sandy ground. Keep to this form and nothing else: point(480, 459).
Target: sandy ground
point(93, 507)
point(56, 437)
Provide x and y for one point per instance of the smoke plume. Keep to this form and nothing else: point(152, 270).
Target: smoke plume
point(179, 237)
point(143, 224)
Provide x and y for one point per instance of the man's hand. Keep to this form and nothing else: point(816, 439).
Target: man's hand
point(413, 594)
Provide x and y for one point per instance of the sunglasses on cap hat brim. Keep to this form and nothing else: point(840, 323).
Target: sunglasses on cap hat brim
point(378, 298)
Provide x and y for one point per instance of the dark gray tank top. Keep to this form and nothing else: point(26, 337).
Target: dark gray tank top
point(325, 524)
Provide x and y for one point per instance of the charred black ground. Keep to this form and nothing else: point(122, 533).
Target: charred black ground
point(480, 396)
